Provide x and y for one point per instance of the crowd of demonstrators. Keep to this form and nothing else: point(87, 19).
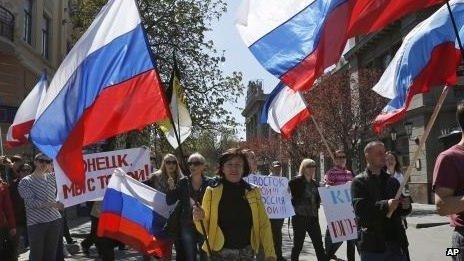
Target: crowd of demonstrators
point(189, 191)
point(164, 180)
point(44, 222)
point(232, 236)
point(381, 238)
point(448, 185)
point(306, 202)
point(338, 175)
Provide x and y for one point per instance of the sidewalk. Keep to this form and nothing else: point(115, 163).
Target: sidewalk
point(425, 215)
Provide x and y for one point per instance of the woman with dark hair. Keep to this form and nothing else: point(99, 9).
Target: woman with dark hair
point(394, 169)
point(188, 191)
point(164, 180)
point(233, 213)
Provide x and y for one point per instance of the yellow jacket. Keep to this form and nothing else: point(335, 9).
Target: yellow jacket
point(261, 233)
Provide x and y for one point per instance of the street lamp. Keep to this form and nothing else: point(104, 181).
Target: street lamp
point(408, 126)
point(393, 134)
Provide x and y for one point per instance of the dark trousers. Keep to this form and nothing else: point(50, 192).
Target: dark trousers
point(8, 249)
point(66, 233)
point(44, 240)
point(331, 248)
point(90, 239)
point(192, 242)
point(276, 226)
point(105, 248)
point(393, 252)
point(302, 225)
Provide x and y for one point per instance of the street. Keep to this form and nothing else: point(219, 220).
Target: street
point(425, 243)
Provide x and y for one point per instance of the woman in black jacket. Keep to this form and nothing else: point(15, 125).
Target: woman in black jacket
point(306, 201)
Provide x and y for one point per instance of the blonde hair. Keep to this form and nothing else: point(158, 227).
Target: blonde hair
point(198, 157)
point(304, 164)
point(163, 166)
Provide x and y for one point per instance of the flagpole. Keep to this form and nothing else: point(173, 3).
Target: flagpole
point(326, 144)
point(174, 127)
point(434, 116)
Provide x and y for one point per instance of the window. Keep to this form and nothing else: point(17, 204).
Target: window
point(27, 37)
point(46, 37)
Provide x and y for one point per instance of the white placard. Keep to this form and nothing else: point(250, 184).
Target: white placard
point(339, 212)
point(99, 167)
point(275, 194)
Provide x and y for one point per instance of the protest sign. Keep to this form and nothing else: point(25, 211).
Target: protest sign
point(336, 201)
point(98, 170)
point(275, 194)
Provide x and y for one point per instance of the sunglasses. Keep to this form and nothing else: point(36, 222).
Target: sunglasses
point(25, 170)
point(341, 157)
point(171, 162)
point(195, 163)
point(44, 161)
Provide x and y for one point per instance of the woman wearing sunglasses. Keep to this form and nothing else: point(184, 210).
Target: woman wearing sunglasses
point(233, 213)
point(44, 223)
point(188, 192)
point(164, 180)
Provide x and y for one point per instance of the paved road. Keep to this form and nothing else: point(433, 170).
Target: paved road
point(425, 244)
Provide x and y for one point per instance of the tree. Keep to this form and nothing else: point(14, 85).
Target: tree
point(179, 26)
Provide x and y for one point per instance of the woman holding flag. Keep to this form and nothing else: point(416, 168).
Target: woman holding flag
point(164, 180)
point(232, 236)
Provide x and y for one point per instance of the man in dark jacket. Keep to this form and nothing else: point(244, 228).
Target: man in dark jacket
point(373, 192)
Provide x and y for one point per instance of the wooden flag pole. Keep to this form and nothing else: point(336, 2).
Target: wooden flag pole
point(323, 139)
point(434, 114)
point(422, 141)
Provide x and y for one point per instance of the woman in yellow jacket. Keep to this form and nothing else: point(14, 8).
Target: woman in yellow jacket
point(233, 214)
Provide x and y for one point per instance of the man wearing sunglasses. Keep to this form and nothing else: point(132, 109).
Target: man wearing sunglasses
point(338, 175)
point(44, 222)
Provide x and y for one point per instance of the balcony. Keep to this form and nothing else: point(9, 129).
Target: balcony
point(7, 22)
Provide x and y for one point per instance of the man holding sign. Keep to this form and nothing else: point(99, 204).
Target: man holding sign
point(373, 194)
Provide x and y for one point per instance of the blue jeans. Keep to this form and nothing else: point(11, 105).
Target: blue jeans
point(192, 242)
point(392, 252)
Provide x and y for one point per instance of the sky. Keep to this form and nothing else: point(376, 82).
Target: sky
point(238, 58)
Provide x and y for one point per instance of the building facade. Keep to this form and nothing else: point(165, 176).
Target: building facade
point(376, 51)
point(35, 36)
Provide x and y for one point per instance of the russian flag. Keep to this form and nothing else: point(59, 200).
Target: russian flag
point(18, 133)
point(284, 109)
point(296, 40)
point(107, 85)
point(429, 56)
point(135, 214)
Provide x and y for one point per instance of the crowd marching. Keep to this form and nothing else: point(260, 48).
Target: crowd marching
point(229, 212)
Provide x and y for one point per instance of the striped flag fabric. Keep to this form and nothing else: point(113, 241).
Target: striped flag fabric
point(428, 57)
point(179, 112)
point(18, 133)
point(296, 40)
point(284, 110)
point(107, 85)
point(135, 214)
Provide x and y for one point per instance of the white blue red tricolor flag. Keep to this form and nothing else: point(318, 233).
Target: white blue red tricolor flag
point(135, 214)
point(18, 133)
point(296, 40)
point(107, 85)
point(428, 57)
point(284, 110)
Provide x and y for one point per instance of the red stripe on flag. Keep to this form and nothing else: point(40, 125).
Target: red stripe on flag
point(132, 234)
point(18, 132)
point(370, 16)
point(328, 51)
point(440, 70)
point(127, 106)
point(287, 130)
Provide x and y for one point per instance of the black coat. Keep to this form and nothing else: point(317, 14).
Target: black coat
point(370, 195)
point(297, 187)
